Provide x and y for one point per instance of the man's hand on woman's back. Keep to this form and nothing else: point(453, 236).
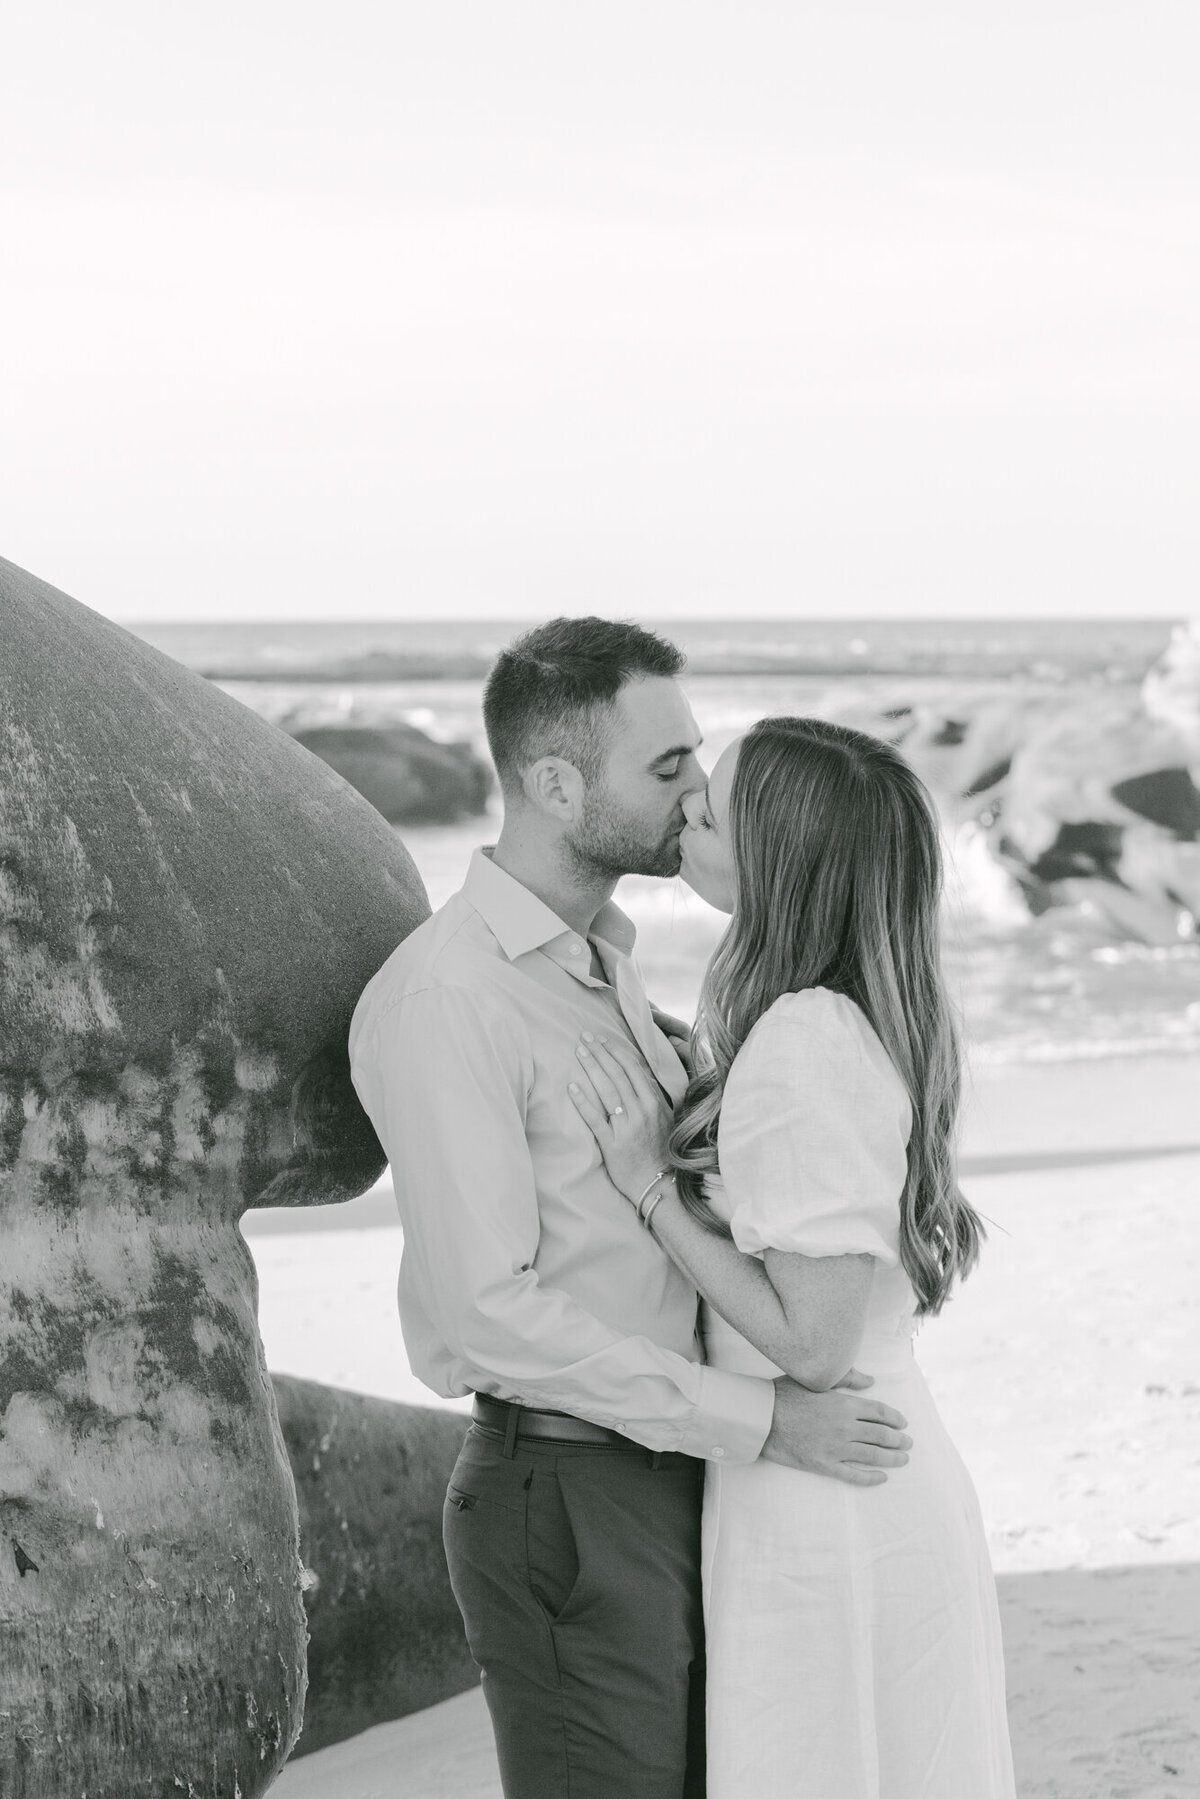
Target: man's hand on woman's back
point(840, 1433)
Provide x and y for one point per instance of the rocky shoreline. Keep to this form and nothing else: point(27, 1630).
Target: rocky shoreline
point(1085, 800)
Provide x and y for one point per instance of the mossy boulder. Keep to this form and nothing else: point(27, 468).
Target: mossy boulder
point(190, 904)
point(386, 1637)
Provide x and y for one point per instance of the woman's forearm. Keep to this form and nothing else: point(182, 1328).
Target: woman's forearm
point(739, 1288)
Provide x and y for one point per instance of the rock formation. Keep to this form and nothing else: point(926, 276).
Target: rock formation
point(189, 906)
point(1086, 798)
point(1100, 809)
point(407, 776)
point(385, 1634)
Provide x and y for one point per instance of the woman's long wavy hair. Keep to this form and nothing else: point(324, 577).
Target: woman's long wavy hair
point(838, 874)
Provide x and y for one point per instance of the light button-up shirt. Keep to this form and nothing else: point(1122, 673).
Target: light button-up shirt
point(525, 1273)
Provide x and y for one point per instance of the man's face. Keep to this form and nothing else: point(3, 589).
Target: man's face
point(633, 814)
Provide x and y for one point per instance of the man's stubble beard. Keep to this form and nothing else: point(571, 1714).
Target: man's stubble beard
point(608, 844)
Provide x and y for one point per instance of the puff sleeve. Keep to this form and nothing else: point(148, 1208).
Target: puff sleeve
point(814, 1133)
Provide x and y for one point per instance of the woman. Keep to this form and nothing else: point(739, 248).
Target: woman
point(807, 1186)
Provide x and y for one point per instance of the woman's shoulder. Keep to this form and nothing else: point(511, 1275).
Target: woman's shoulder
point(815, 1016)
point(823, 1038)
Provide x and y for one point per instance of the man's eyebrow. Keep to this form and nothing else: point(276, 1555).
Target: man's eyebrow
point(673, 755)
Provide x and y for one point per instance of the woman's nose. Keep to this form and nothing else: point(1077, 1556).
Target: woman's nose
point(693, 805)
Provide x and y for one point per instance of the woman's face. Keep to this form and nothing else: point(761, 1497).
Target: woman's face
point(707, 855)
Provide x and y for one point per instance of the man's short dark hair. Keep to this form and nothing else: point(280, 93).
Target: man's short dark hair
point(551, 692)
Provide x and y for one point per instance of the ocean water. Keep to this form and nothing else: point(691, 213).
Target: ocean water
point(1059, 987)
point(345, 651)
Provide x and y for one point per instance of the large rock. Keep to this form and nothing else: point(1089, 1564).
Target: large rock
point(386, 1637)
point(402, 772)
point(1085, 799)
point(1100, 809)
point(189, 907)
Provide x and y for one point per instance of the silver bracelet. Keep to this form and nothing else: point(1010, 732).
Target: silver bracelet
point(640, 1201)
point(648, 1214)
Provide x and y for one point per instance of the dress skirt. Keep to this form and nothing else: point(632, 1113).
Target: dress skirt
point(854, 1646)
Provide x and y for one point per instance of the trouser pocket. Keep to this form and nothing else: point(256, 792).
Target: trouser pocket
point(551, 1549)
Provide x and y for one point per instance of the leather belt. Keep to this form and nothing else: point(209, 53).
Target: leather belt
point(555, 1427)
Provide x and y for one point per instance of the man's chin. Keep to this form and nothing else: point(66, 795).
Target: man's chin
point(668, 862)
point(662, 867)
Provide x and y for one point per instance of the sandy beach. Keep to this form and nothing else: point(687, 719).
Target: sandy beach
point(1068, 1370)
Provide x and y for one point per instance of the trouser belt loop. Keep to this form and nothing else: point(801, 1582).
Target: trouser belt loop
point(656, 1458)
point(510, 1432)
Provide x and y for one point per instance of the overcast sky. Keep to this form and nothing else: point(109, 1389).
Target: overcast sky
point(500, 308)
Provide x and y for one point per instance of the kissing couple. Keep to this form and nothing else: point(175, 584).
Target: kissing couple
point(681, 1273)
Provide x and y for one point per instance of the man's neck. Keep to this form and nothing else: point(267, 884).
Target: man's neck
point(547, 874)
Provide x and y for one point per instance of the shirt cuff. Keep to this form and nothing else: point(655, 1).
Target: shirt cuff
point(731, 1419)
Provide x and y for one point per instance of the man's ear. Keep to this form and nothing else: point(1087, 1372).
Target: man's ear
point(555, 787)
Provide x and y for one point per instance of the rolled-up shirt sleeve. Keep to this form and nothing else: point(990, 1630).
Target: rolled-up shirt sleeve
point(444, 1074)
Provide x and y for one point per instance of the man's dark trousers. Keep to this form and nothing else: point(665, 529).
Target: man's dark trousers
point(577, 1571)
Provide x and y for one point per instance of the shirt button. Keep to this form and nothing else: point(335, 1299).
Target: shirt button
point(716, 1452)
point(574, 950)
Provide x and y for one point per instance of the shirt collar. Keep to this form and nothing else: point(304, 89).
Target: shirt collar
point(521, 922)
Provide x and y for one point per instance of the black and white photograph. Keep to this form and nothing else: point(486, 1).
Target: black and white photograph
point(599, 900)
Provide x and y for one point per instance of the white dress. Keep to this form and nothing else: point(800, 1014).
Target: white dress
point(853, 1639)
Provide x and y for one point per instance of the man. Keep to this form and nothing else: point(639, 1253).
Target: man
point(572, 1518)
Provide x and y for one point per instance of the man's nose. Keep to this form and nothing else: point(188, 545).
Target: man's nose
point(692, 778)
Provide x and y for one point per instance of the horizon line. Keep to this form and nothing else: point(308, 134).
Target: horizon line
point(474, 618)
